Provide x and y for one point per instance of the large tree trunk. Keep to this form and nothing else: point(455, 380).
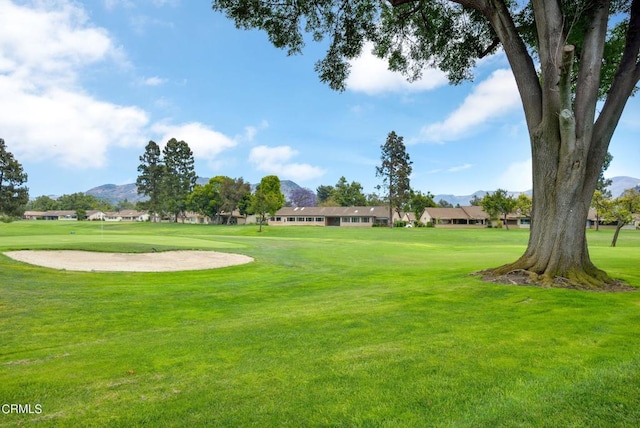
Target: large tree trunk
point(568, 143)
point(562, 189)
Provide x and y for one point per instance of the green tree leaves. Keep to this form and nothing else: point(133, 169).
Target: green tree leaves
point(13, 194)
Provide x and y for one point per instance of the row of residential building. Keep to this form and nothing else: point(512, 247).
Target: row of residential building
point(468, 216)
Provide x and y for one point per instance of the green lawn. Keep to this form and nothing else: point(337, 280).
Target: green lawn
point(328, 327)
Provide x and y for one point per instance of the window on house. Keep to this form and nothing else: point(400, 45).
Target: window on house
point(291, 219)
point(319, 219)
point(365, 219)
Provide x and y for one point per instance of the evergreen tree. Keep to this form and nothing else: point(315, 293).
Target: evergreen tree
point(13, 194)
point(395, 170)
point(179, 176)
point(149, 181)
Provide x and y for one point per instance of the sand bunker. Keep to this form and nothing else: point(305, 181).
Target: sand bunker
point(167, 261)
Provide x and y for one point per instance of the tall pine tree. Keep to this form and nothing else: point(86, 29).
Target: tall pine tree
point(395, 170)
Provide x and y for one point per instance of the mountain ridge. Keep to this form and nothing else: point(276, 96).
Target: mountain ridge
point(114, 193)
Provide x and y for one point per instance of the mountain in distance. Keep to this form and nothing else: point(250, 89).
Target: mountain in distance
point(465, 200)
point(114, 193)
point(620, 184)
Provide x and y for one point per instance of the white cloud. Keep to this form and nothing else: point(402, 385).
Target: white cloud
point(517, 177)
point(203, 141)
point(371, 75)
point(276, 160)
point(459, 167)
point(44, 114)
point(251, 131)
point(494, 97)
point(154, 81)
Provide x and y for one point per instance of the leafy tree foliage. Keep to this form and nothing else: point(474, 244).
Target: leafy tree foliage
point(13, 194)
point(348, 195)
point(79, 202)
point(43, 203)
point(499, 203)
point(442, 203)
point(232, 191)
point(565, 55)
point(621, 210)
point(205, 199)
point(303, 198)
point(374, 200)
point(82, 201)
point(604, 183)
point(601, 203)
point(323, 194)
point(475, 201)
point(267, 199)
point(151, 175)
point(179, 176)
point(524, 205)
point(124, 204)
point(220, 195)
point(419, 202)
point(395, 170)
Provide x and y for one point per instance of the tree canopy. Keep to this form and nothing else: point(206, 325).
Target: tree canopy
point(499, 203)
point(267, 199)
point(151, 173)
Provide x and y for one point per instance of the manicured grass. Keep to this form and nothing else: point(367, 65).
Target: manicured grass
point(328, 327)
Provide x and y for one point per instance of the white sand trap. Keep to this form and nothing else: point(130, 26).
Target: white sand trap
point(167, 261)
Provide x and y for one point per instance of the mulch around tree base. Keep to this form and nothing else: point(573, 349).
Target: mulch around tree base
point(524, 278)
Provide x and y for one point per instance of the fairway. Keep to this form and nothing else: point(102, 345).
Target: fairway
point(326, 327)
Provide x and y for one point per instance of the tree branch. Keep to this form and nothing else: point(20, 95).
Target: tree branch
point(588, 83)
point(626, 78)
point(549, 25)
point(521, 63)
point(565, 76)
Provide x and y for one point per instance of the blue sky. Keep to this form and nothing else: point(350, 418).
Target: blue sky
point(84, 85)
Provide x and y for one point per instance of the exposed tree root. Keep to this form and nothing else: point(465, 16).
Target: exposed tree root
point(575, 280)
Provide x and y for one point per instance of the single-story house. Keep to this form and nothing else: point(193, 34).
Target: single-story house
point(127, 215)
point(472, 216)
point(60, 215)
point(331, 216)
point(33, 215)
point(95, 215)
point(450, 217)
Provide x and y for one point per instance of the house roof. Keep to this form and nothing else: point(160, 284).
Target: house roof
point(475, 212)
point(34, 213)
point(379, 212)
point(447, 213)
point(125, 213)
point(60, 213)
